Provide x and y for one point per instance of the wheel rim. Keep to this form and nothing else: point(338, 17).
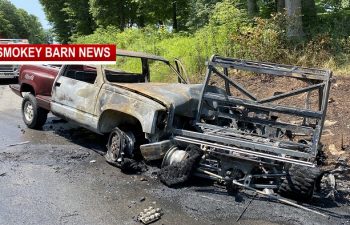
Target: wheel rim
point(114, 149)
point(174, 155)
point(28, 111)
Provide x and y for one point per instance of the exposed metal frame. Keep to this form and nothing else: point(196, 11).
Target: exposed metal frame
point(250, 145)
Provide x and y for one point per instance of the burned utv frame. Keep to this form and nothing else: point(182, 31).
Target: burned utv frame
point(247, 137)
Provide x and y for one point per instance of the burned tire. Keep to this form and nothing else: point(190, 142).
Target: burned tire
point(231, 189)
point(120, 152)
point(179, 165)
point(116, 147)
point(300, 183)
point(33, 116)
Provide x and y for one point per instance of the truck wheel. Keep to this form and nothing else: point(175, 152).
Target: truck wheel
point(300, 183)
point(120, 146)
point(33, 116)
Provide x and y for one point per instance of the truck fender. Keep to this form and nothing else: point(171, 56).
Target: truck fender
point(110, 119)
point(28, 87)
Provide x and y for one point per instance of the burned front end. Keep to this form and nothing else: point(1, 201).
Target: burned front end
point(264, 134)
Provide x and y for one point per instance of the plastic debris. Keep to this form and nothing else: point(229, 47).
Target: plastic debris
point(150, 215)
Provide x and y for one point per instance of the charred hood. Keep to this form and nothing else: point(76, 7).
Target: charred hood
point(183, 97)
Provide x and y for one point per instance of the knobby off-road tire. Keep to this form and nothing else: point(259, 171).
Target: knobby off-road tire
point(300, 183)
point(33, 116)
point(177, 168)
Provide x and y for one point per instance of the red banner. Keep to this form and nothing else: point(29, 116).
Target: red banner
point(57, 54)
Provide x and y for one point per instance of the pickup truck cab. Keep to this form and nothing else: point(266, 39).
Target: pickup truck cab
point(136, 112)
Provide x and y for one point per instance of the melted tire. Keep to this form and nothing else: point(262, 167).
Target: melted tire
point(231, 189)
point(300, 183)
point(178, 173)
point(39, 115)
point(119, 155)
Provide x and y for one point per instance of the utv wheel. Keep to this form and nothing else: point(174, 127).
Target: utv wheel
point(120, 145)
point(33, 116)
point(300, 183)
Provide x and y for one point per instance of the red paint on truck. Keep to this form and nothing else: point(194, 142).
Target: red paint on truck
point(40, 78)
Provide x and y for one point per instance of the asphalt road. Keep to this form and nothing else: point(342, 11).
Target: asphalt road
point(60, 177)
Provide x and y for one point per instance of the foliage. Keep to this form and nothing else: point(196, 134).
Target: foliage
point(78, 16)
point(69, 18)
point(17, 23)
point(230, 32)
point(200, 13)
point(61, 27)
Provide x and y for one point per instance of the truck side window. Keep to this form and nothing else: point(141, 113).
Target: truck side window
point(126, 70)
point(81, 73)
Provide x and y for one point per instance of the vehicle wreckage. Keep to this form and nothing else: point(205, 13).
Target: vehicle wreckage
point(218, 129)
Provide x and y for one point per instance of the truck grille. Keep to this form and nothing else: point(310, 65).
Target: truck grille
point(7, 68)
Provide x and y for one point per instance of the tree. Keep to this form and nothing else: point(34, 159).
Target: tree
point(69, 18)
point(294, 19)
point(252, 6)
point(33, 30)
point(182, 14)
point(309, 13)
point(10, 14)
point(119, 13)
point(6, 28)
point(175, 25)
point(17, 23)
point(73, 18)
point(199, 13)
point(280, 5)
point(58, 19)
point(79, 17)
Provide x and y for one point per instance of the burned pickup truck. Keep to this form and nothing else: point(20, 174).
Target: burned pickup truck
point(218, 129)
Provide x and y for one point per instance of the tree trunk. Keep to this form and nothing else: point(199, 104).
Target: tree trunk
point(309, 12)
point(141, 21)
point(175, 25)
point(252, 7)
point(121, 10)
point(294, 19)
point(280, 5)
point(309, 6)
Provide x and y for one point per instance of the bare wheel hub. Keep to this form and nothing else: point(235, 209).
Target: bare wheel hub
point(115, 147)
point(120, 145)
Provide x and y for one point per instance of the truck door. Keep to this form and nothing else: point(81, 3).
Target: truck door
point(74, 94)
